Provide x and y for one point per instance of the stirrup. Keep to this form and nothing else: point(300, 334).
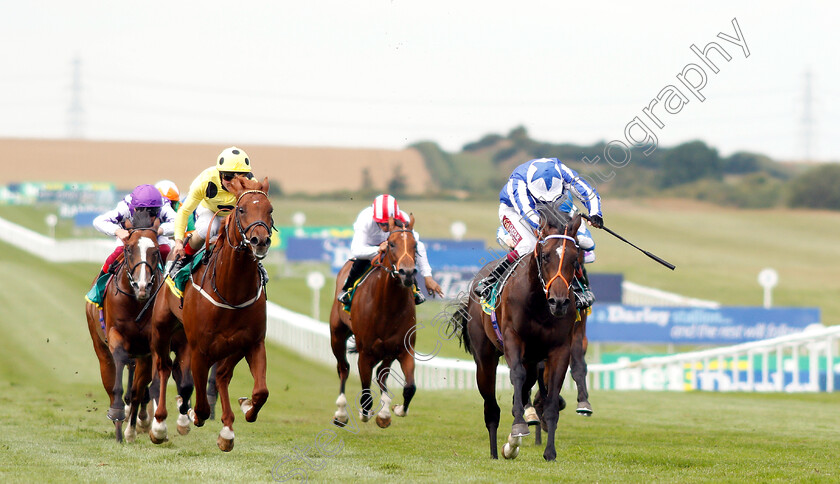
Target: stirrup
point(344, 297)
point(584, 299)
point(419, 298)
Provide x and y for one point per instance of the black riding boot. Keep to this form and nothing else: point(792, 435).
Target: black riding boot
point(584, 297)
point(359, 267)
point(482, 288)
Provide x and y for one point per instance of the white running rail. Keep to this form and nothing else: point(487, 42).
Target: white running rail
point(636, 295)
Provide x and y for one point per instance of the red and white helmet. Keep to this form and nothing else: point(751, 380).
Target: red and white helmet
point(385, 207)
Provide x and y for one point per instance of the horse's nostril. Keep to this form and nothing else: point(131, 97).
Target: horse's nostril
point(255, 240)
point(552, 301)
point(414, 271)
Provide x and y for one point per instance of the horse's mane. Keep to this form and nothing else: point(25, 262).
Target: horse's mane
point(142, 220)
point(551, 216)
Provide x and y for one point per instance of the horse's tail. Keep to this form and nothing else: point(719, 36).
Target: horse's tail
point(458, 322)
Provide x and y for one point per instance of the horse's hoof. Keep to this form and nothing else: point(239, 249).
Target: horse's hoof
point(183, 424)
point(157, 434)
point(130, 434)
point(196, 421)
point(519, 430)
point(143, 425)
point(225, 440)
point(245, 404)
point(383, 423)
point(531, 417)
point(584, 409)
point(510, 452)
point(363, 416)
point(400, 411)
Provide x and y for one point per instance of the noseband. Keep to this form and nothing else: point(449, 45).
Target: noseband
point(393, 271)
point(245, 242)
point(559, 274)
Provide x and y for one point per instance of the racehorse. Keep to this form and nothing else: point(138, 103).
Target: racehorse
point(122, 340)
point(536, 321)
point(223, 314)
point(382, 318)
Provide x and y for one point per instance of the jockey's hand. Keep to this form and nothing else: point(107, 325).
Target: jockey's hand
point(122, 234)
point(383, 246)
point(433, 287)
point(596, 221)
point(160, 230)
point(178, 249)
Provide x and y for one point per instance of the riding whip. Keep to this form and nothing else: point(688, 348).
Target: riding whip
point(652, 256)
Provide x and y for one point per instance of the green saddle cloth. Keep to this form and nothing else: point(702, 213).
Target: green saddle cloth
point(178, 281)
point(96, 294)
point(489, 305)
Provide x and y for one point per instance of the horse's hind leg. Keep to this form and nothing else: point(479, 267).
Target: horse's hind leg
point(256, 362)
point(578, 364)
point(409, 388)
point(141, 378)
point(107, 369)
point(223, 376)
point(117, 410)
point(338, 341)
point(212, 392)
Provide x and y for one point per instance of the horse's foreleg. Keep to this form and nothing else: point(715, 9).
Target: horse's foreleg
point(485, 378)
point(184, 384)
point(163, 367)
point(555, 373)
point(200, 367)
point(338, 341)
point(212, 393)
point(518, 377)
point(107, 369)
point(578, 364)
point(383, 417)
point(256, 362)
point(409, 388)
point(223, 376)
point(366, 397)
point(117, 410)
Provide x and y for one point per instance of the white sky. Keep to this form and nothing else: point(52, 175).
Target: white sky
point(388, 73)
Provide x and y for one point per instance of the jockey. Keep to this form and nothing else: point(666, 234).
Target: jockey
point(532, 184)
point(211, 200)
point(170, 193)
point(370, 236)
point(144, 198)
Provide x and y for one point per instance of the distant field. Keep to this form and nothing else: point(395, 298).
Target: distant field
point(718, 251)
point(52, 407)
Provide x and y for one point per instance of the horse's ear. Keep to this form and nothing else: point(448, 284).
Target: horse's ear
point(391, 224)
point(156, 225)
point(129, 224)
point(576, 223)
point(411, 221)
point(264, 186)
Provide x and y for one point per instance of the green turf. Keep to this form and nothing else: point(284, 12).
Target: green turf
point(54, 429)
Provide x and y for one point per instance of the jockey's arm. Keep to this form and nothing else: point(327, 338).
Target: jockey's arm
point(194, 198)
point(110, 222)
point(582, 190)
point(360, 247)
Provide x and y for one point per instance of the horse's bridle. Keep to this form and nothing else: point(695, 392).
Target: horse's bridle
point(559, 274)
point(393, 271)
point(243, 245)
point(130, 270)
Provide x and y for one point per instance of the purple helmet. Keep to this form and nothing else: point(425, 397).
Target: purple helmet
point(146, 196)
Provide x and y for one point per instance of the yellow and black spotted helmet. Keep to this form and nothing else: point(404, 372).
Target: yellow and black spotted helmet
point(233, 160)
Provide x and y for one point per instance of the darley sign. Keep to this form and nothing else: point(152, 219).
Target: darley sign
point(726, 325)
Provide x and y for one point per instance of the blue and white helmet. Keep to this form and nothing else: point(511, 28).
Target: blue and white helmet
point(544, 180)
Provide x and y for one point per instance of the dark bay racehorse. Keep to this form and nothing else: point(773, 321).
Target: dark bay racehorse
point(223, 313)
point(382, 318)
point(124, 341)
point(536, 318)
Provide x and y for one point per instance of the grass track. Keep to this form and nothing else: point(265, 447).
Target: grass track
point(52, 412)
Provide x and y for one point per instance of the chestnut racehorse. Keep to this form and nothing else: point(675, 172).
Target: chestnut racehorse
point(536, 321)
point(124, 341)
point(223, 313)
point(382, 317)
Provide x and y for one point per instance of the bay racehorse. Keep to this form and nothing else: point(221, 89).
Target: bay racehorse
point(223, 313)
point(122, 339)
point(536, 319)
point(382, 318)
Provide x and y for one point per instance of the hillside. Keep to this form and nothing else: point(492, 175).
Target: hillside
point(301, 170)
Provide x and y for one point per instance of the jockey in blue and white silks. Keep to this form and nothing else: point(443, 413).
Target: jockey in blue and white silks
point(540, 181)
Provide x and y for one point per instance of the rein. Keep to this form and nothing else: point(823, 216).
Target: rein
point(245, 242)
point(559, 274)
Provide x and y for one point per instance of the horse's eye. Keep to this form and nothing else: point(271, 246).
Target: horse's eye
point(241, 210)
point(392, 245)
